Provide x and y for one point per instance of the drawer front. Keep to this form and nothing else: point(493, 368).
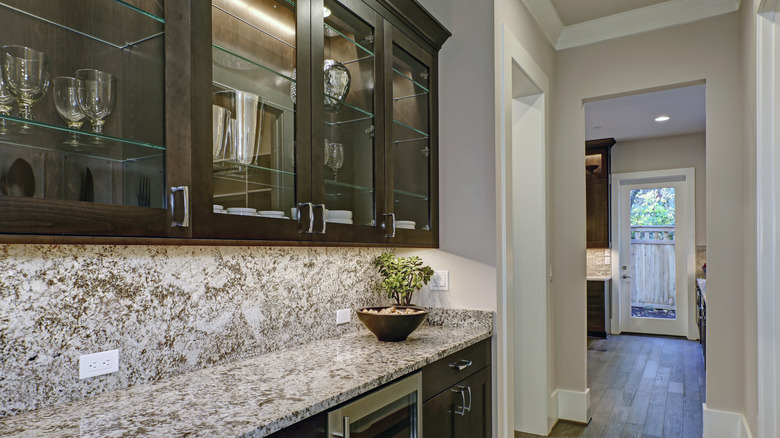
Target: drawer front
point(448, 371)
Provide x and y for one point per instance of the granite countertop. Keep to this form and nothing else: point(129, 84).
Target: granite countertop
point(252, 397)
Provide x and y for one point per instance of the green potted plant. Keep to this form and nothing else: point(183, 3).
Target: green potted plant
point(401, 278)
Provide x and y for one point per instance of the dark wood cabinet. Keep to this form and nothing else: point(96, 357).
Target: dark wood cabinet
point(161, 169)
point(597, 192)
point(457, 397)
point(598, 309)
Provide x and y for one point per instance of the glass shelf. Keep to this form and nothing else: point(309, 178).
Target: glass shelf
point(226, 58)
point(358, 45)
point(224, 168)
point(343, 185)
point(416, 84)
point(404, 196)
point(43, 136)
point(424, 135)
point(137, 25)
point(263, 31)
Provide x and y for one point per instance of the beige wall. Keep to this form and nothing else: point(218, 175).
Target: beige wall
point(668, 153)
point(467, 201)
point(749, 195)
point(709, 50)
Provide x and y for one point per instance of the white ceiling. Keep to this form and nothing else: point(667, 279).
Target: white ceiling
point(631, 117)
point(573, 23)
point(578, 11)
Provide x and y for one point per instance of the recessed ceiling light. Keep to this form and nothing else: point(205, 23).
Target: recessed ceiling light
point(661, 118)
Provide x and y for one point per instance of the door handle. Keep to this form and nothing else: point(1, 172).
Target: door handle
point(185, 222)
point(344, 434)
point(462, 409)
point(461, 364)
point(625, 276)
point(310, 206)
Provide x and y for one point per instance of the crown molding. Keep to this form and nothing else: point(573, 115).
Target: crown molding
point(546, 17)
point(667, 14)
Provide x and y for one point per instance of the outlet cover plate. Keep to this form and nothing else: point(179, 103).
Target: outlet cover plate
point(343, 316)
point(440, 280)
point(97, 364)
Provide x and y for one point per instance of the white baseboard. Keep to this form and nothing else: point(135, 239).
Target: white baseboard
point(573, 405)
point(722, 424)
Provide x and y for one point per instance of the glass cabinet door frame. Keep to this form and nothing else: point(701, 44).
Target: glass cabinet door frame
point(207, 224)
point(357, 233)
point(417, 237)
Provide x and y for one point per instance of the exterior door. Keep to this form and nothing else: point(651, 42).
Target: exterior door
point(652, 258)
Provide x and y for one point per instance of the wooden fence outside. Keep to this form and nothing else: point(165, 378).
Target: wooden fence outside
point(653, 267)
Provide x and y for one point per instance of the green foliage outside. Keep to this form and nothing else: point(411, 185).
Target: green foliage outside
point(401, 277)
point(652, 207)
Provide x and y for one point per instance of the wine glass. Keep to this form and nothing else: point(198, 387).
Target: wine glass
point(96, 96)
point(67, 103)
point(26, 75)
point(6, 100)
point(335, 158)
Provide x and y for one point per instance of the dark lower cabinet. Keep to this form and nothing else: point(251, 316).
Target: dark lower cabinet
point(312, 427)
point(463, 408)
point(462, 411)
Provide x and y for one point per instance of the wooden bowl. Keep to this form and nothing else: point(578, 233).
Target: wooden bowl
point(392, 327)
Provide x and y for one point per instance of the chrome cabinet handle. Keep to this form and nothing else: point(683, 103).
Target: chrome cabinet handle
point(468, 409)
point(186, 195)
point(322, 206)
point(462, 407)
point(311, 216)
point(461, 364)
point(344, 434)
point(391, 216)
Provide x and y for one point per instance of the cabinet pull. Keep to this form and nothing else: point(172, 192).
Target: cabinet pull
point(468, 409)
point(390, 216)
point(345, 434)
point(324, 222)
point(311, 216)
point(462, 409)
point(185, 223)
point(461, 364)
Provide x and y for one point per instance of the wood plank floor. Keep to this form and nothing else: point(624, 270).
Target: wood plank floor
point(641, 386)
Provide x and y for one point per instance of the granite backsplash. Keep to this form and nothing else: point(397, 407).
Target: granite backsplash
point(168, 309)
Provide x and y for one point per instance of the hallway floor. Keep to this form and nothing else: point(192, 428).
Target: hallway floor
point(641, 386)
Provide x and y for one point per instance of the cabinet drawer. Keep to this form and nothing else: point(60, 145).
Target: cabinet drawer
point(448, 371)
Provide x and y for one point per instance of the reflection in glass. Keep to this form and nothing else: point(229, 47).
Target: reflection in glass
point(26, 75)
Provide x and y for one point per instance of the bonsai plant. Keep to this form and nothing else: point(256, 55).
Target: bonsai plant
point(402, 277)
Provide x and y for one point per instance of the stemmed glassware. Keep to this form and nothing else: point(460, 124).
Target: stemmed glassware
point(26, 75)
point(67, 103)
point(96, 96)
point(335, 158)
point(6, 100)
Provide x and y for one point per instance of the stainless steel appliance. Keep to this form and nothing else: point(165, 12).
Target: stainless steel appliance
point(394, 411)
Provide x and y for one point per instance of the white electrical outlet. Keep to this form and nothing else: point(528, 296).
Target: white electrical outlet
point(440, 280)
point(343, 316)
point(97, 364)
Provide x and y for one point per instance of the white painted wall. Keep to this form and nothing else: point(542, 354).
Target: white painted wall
point(665, 153)
point(708, 50)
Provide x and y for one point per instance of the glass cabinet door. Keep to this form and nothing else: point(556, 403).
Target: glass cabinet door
point(411, 144)
point(257, 158)
point(344, 157)
point(82, 122)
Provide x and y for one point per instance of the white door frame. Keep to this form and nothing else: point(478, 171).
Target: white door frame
point(767, 215)
point(686, 241)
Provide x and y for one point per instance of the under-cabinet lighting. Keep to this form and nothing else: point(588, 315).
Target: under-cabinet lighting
point(662, 118)
point(262, 16)
point(325, 12)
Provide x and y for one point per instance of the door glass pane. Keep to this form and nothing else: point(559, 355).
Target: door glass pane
point(653, 288)
point(349, 117)
point(411, 141)
point(253, 54)
point(100, 138)
point(394, 420)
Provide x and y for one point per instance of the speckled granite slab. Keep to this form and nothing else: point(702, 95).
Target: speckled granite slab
point(254, 397)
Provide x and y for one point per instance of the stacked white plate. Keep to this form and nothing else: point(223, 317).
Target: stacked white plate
point(339, 221)
point(242, 211)
point(271, 213)
point(406, 225)
point(219, 209)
